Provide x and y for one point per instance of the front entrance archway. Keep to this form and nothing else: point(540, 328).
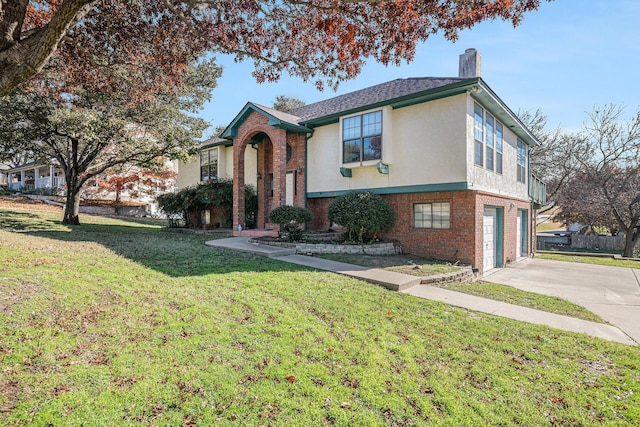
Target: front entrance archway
point(279, 162)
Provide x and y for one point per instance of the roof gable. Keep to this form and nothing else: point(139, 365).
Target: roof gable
point(277, 119)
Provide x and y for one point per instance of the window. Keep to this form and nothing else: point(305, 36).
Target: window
point(209, 164)
point(478, 133)
point(498, 147)
point(432, 215)
point(362, 137)
point(522, 162)
point(489, 139)
point(490, 142)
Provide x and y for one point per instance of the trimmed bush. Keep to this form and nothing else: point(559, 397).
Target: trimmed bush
point(290, 218)
point(363, 214)
point(187, 204)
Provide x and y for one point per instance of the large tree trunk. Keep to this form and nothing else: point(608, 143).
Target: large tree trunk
point(72, 208)
point(72, 203)
point(631, 238)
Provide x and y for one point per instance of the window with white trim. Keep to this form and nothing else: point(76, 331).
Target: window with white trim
point(488, 136)
point(522, 162)
point(478, 133)
point(209, 164)
point(499, 142)
point(432, 215)
point(490, 140)
point(362, 137)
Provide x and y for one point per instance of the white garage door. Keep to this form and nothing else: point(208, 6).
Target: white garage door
point(489, 232)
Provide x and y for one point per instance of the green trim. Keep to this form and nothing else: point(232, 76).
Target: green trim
point(382, 168)
point(500, 237)
point(403, 101)
point(306, 170)
point(524, 236)
point(427, 188)
point(231, 131)
point(346, 172)
point(499, 233)
point(225, 143)
point(478, 89)
point(492, 102)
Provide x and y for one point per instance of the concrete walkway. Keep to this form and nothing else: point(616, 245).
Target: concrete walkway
point(613, 293)
point(411, 286)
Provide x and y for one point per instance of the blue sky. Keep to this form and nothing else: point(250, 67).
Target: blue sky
point(565, 58)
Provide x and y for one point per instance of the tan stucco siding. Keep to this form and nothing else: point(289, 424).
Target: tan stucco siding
point(479, 178)
point(188, 172)
point(422, 144)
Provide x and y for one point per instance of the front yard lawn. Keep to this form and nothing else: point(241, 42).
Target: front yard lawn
point(118, 323)
point(508, 294)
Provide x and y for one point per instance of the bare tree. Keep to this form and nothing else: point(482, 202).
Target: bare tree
point(552, 161)
point(604, 190)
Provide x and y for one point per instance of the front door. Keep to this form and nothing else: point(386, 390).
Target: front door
point(489, 239)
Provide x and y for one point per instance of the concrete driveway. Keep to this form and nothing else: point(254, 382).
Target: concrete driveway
point(613, 293)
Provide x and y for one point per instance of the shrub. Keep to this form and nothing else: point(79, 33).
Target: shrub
point(187, 204)
point(40, 191)
point(363, 214)
point(290, 218)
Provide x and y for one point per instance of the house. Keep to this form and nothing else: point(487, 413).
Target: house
point(4, 178)
point(446, 152)
point(32, 176)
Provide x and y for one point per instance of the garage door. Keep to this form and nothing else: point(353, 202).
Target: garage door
point(489, 233)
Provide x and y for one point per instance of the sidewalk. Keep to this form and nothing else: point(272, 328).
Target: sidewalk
point(411, 286)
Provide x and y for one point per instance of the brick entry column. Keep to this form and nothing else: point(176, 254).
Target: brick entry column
point(279, 141)
point(238, 185)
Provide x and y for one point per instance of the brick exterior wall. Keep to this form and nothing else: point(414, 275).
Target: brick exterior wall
point(463, 241)
point(272, 159)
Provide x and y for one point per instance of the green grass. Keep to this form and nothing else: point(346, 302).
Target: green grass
point(117, 323)
point(493, 291)
point(625, 263)
point(400, 263)
point(515, 296)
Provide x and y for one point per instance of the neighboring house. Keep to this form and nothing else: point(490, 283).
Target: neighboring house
point(448, 155)
point(4, 178)
point(32, 176)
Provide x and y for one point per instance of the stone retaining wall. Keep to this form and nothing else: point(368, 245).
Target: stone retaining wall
point(387, 248)
point(464, 275)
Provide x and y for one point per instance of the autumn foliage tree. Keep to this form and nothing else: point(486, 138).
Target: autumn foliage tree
point(133, 181)
point(87, 132)
point(96, 42)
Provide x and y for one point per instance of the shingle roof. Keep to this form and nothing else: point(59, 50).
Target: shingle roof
point(285, 117)
point(371, 96)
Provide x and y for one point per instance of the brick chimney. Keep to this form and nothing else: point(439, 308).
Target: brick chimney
point(470, 63)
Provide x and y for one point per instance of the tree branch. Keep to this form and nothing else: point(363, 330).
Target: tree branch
point(26, 57)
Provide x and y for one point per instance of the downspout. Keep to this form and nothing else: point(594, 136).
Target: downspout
point(306, 165)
